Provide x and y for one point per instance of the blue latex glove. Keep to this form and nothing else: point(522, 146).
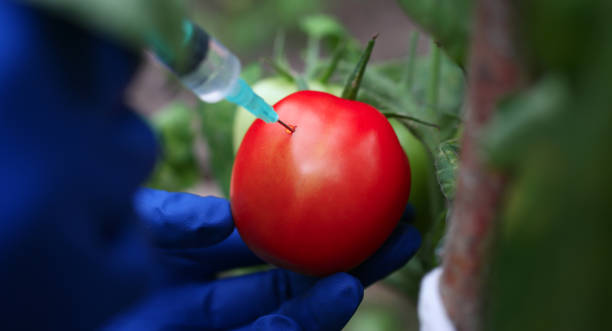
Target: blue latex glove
point(74, 248)
point(183, 225)
point(72, 155)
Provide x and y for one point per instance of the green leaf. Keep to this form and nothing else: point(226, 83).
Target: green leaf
point(312, 57)
point(448, 22)
point(333, 63)
point(320, 26)
point(353, 83)
point(446, 162)
point(408, 75)
point(520, 120)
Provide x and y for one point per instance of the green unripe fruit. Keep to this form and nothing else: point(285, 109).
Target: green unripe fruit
point(420, 168)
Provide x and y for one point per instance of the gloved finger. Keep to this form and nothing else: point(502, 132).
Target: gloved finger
point(328, 305)
point(206, 262)
point(408, 215)
point(181, 220)
point(223, 304)
point(272, 322)
point(231, 253)
point(241, 300)
point(401, 246)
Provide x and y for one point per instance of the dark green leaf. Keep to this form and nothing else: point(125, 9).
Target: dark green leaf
point(520, 120)
point(447, 161)
point(448, 22)
point(353, 83)
point(333, 63)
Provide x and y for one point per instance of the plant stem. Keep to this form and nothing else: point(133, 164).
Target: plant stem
point(312, 57)
point(301, 83)
point(494, 71)
point(333, 64)
point(434, 78)
point(278, 48)
point(408, 76)
point(279, 69)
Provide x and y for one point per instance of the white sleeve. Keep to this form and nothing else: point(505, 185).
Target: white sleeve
point(432, 313)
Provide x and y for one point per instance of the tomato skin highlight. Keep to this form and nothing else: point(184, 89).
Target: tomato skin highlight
point(325, 198)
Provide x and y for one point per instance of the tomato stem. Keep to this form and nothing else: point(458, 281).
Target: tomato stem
point(280, 69)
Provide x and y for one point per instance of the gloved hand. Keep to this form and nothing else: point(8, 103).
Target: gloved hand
point(72, 155)
point(191, 234)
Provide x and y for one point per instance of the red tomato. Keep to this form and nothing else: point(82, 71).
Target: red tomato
point(324, 198)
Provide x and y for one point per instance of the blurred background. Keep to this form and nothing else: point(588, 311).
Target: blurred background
point(249, 28)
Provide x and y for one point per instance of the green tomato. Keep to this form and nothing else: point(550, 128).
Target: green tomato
point(420, 168)
point(272, 90)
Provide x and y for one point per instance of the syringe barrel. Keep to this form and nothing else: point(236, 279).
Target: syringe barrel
point(206, 67)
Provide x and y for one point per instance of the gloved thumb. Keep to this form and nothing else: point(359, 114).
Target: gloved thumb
point(183, 220)
point(328, 305)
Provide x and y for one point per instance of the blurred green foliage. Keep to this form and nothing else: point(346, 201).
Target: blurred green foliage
point(257, 20)
point(447, 161)
point(178, 168)
point(448, 22)
point(551, 267)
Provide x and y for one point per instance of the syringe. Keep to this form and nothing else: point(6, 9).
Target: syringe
point(212, 72)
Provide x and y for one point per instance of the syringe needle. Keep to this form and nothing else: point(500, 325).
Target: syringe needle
point(288, 127)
